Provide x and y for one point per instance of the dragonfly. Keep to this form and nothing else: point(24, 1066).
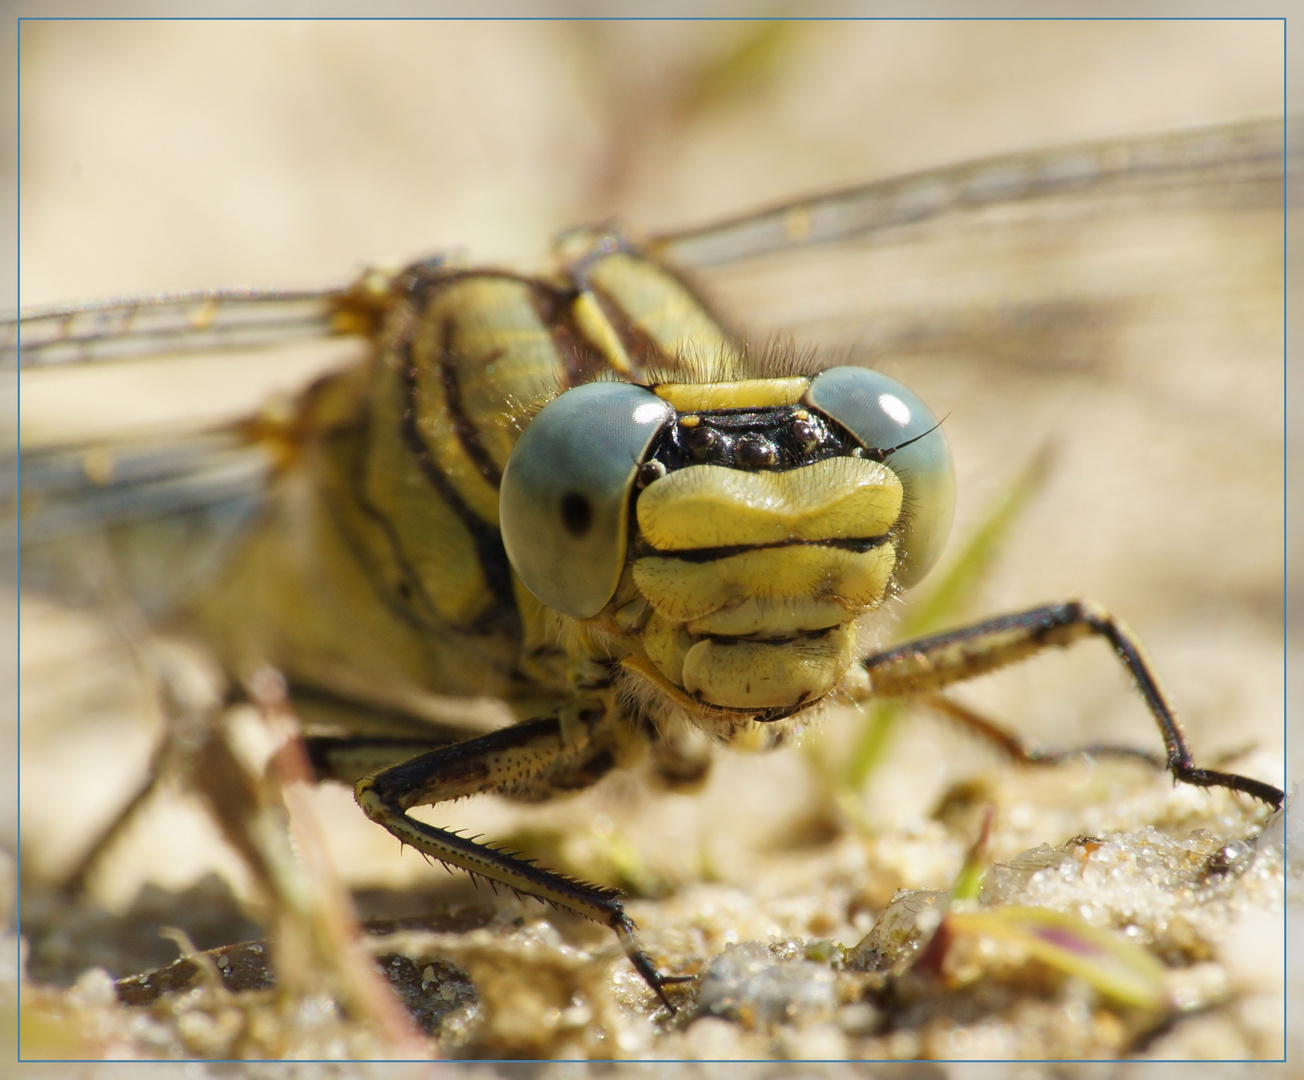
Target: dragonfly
point(585, 493)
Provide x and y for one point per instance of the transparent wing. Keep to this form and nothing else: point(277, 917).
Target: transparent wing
point(1156, 263)
point(78, 489)
point(1215, 159)
point(1033, 255)
point(1048, 258)
point(162, 505)
point(187, 323)
point(160, 513)
point(135, 327)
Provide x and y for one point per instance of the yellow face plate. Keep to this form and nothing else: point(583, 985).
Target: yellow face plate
point(748, 394)
point(707, 506)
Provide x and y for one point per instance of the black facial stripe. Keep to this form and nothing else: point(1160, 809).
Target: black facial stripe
point(701, 555)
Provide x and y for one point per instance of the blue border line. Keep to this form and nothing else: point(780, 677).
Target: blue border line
point(1286, 513)
point(18, 572)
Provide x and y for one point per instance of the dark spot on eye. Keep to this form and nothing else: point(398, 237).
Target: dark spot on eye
point(404, 590)
point(755, 452)
point(576, 513)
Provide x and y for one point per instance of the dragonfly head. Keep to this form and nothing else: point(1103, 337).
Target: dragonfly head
point(727, 536)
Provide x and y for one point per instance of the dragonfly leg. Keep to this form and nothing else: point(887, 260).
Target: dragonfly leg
point(523, 760)
point(928, 665)
point(1019, 750)
point(348, 758)
point(75, 880)
point(174, 684)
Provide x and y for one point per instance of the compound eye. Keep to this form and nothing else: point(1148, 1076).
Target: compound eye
point(896, 427)
point(566, 490)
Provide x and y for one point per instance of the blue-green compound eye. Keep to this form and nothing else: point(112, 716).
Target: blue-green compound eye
point(883, 414)
point(563, 505)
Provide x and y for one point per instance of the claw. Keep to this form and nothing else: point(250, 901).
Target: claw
point(624, 928)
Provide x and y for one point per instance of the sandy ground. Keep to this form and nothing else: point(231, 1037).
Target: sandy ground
point(171, 156)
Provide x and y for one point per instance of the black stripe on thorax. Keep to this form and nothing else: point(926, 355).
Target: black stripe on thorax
point(389, 592)
point(486, 538)
point(463, 426)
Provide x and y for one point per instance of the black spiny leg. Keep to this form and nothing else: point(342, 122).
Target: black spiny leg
point(930, 664)
point(516, 760)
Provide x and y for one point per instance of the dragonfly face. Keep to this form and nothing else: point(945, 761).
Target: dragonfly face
point(763, 526)
point(763, 515)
